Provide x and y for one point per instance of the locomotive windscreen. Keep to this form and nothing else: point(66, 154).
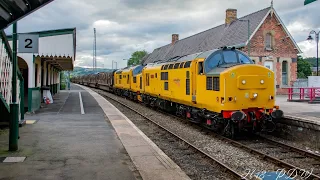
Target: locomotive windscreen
point(137, 70)
point(223, 58)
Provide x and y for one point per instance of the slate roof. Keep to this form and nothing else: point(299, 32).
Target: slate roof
point(223, 35)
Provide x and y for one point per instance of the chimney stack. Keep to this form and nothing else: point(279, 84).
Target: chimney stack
point(175, 38)
point(231, 15)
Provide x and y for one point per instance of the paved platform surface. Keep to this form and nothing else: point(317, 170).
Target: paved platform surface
point(65, 144)
point(96, 141)
point(299, 110)
point(151, 161)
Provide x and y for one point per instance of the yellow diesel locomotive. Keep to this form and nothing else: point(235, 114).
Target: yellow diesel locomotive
point(221, 89)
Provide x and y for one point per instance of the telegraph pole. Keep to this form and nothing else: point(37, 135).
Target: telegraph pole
point(94, 60)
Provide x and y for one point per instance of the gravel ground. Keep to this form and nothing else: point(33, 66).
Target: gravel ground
point(236, 158)
point(284, 154)
point(295, 144)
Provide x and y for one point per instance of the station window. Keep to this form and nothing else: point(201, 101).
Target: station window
point(284, 73)
point(268, 41)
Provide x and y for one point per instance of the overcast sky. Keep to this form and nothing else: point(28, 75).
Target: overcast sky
point(125, 26)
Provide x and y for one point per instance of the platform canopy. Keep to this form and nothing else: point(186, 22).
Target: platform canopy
point(14, 10)
point(306, 2)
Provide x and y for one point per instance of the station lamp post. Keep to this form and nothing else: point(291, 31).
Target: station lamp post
point(317, 41)
point(248, 34)
point(115, 63)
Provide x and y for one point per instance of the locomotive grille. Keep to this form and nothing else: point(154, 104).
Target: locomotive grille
point(188, 86)
point(164, 76)
point(216, 84)
point(166, 86)
point(209, 83)
point(213, 83)
point(187, 83)
point(141, 82)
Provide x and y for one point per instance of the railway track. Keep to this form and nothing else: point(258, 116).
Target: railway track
point(266, 148)
point(226, 168)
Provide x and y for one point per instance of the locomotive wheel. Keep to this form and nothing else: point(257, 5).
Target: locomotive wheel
point(231, 130)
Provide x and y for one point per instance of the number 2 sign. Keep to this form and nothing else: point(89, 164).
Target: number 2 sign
point(28, 43)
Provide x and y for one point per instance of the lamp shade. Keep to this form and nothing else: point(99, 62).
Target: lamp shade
point(310, 38)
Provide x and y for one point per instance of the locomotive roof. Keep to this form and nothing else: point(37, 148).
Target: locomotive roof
point(190, 57)
point(127, 69)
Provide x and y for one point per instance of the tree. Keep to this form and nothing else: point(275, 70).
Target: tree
point(136, 57)
point(304, 68)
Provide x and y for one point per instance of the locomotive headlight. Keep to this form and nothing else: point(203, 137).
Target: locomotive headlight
point(262, 81)
point(255, 95)
point(243, 81)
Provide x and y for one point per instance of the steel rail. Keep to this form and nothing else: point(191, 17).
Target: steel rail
point(295, 149)
point(226, 167)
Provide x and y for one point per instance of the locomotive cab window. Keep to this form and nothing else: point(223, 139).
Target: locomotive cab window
point(213, 62)
point(200, 68)
point(187, 64)
point(171, 66)
point(244, 60)
point(225, 59)
point(176, 65)
point(230, 57)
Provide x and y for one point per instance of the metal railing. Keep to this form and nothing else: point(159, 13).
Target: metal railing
point(6, 77)
point(5, 71)
point(304, 94)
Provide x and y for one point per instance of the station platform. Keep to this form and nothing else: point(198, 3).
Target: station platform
point(299, 111)
point(83, 136)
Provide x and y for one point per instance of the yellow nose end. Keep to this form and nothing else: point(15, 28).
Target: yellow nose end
point(254, 95)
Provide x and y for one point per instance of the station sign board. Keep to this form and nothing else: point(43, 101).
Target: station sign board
point(28, 43)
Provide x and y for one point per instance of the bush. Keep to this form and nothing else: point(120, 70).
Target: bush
point(63, 86)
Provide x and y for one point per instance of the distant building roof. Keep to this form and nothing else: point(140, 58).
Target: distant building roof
point(234, 34)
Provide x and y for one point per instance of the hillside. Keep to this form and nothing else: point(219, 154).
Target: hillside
point(80, 71)
point(312, 61)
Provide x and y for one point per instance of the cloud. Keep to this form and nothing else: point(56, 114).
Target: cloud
point(125, 26)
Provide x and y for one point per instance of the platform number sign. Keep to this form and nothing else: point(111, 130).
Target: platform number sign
point(28, 43)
